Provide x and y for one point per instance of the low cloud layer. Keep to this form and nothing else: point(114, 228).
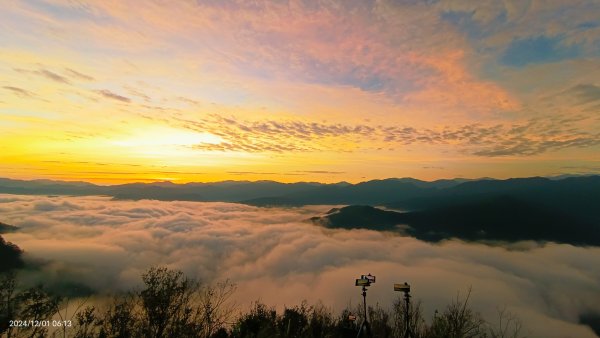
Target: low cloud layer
point(275, 256)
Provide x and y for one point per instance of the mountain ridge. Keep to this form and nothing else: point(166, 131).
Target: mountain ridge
point(578, 194)
point(496, 220)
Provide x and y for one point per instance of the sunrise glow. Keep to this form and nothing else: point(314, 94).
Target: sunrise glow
point(118, 91)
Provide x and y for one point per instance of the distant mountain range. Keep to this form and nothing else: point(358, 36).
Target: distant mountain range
point(572, 193)
point(553, 209)
point(260, 193)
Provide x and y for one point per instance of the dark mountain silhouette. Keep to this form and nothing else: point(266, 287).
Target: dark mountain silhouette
point(563, 210)
point(573, 197)
point(371, 192)
point(361, 217)
point(592, 320)
point(405, 193)
point(10, 256)
point(258, 193)
point(48, 187)
point(228, 191)
point(491, 219)
point(5, 228)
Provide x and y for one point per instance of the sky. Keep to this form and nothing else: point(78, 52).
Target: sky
point(276, 256)
point(118, 91)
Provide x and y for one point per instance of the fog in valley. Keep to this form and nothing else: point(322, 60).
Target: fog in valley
point(275, 255)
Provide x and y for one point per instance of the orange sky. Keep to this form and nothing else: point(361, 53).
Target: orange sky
point(118, 91)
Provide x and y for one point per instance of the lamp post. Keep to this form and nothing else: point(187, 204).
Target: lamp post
point(406, 289)
point(365, 281)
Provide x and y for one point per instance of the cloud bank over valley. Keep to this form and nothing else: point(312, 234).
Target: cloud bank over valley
point(277, 256)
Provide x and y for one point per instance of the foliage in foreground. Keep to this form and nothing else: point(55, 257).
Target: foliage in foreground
point(171, 305)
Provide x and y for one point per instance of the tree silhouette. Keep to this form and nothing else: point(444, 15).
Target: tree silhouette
point(508, 325)
point(458, 321)
point(119, 320)
point(8, 302)
point(416, 320)
point(35, 304)
point(167, 309)
point(85, 320)
point(260, 322)
point(171, 305)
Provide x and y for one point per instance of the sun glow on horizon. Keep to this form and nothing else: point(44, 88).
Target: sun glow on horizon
point(297, 91)
point(163, 136)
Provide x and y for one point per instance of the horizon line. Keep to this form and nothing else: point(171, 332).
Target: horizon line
point(153, 181)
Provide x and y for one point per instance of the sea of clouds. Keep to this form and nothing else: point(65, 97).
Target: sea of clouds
point(276, 256)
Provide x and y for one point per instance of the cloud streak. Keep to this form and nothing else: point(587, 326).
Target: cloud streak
point(78, 75)
point(19, 91)
point(45, 73)
point(532, 137)
point(110, 95)
point(275, 255)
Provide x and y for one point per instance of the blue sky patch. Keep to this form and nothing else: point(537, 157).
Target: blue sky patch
point(588, 25)
point(70, 12)
point(541, 49)
point(465, 23)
